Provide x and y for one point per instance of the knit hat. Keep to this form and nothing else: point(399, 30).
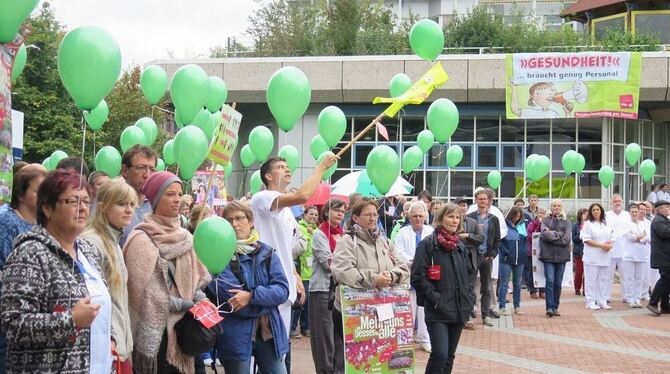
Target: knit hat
point(154, 187)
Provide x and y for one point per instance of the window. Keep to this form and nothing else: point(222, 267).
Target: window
point(564, 130)
point(656, 23)
point(600, 26)
point(487, 156)
point(437, 157)
point(660, 160)
point(488, 129)
point(557, 152)
point(361, 153)
point(508, 184)
point(512, 130)
point(467, 156)
point(436, 182)
point(411, 127)
point(589, 186)
point(359, 124)
point(632, 132)
point(415, 178)
point(618, 160)
point(660, 135)
point(392, 128)
point(647, 133)
point(512, 156)
point(592, 155)
point(347, 134)
point(538, 130)
point(590, 130)
point(618, 129)
point(461, 184)
point(465, 131)
point(345, 159)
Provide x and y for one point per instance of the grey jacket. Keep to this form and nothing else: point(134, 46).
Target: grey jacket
point(320, 281)
point(555, 239)
point(474, 239)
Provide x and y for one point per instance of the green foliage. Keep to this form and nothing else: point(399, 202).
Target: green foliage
point(615, 40)
point(232, 49)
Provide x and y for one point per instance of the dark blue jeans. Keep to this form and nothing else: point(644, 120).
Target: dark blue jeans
point(517, 272)
point(3, 354)
point(528, 274)
point(553, 272)
point(444, 341)
point(264, 357)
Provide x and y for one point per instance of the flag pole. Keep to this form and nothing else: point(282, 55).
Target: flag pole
point(360, 135)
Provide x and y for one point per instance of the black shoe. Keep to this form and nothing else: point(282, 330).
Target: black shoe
point(494, 314)
point(665, 309)
point(550, 313)
point(556, 313)
point(654, 309)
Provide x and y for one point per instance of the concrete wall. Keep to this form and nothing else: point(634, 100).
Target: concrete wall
point(358, 79)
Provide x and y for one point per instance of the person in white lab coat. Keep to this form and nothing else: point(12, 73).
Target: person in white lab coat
point(619, 221)
point(636, 257)
point(406, 241)
point(597, 238)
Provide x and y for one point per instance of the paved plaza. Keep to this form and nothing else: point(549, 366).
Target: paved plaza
point(620, 340)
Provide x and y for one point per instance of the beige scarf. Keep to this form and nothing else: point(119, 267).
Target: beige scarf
point(148, 293)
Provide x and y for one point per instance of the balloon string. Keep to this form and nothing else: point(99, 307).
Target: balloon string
point(439, 193)
point(562, 186)
point(94, 146)
point(526, 183)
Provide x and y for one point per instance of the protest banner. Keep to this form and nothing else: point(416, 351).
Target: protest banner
point(216, 196)
point(573, 85)
point(539, 280)
point(225, 141)
point(378, 330)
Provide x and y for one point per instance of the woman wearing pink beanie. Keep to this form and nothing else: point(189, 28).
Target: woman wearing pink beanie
point(158, 246)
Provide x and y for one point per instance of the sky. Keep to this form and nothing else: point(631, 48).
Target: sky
point(147, 30)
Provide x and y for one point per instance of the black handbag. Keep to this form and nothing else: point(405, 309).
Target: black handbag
point(193, 338)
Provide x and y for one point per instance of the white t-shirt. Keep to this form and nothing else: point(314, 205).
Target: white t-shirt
point(278, 229)
point(638, 251)
point(599, 232)
point(405, 241)
point(619, 224)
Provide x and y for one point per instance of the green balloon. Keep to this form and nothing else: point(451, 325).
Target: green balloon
point(317, 146)
point(177, 119)
point(291, 155)
point(168, 152)
point(426, 39)
point(186, 173)
point(97, 116)
point(215, 120)
point(442, 119)
point(493, 179)
point(332, 124)
point(331, 170)
point(19, 62)
point(454, 155)
point(261, 142)
point(227, 170)
point(647, 170)
point(12, 14)
point(190, 148)
point(131, 136)
point(160, 165)
point(217, 93)
point(288, 94)
point(247, 156)
point(89, 63)
point(633, 154)
point(255, 182)
point(108, 160)
point(148, 126)
point(188, 91)
point(202, 119)
point(537, 167)
point(425, 140)
point(570, 161)
point(214, 241)
point(47, 163)
point(399, 84)
point(581, 163)
point(606, 175)
point(153, 83)
point(55, 158)
point(411, 159)
point(383, 167)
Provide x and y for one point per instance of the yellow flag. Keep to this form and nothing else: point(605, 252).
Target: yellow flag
point(418, 93)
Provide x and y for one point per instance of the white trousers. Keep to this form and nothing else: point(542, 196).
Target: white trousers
point(635, 285)
point(596, 279)
point(615, 264)
point(420, 320)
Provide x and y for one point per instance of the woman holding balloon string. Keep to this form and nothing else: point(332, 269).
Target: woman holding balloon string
point(157, 246)
point(250, 290)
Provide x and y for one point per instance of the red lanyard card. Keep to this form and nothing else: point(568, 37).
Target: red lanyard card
point(206, 313)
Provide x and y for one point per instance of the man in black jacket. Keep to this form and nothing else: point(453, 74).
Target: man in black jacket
point(472, 237)
point(487, 250)
point(660, 257)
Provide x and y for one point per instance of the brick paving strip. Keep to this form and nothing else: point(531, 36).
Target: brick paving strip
point(613, 320)
point(516, 361)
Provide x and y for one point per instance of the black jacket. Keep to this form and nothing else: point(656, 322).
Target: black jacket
point(447, 300)
point(555, 240)
point(474, 239)
point(577, 244)
point(660, 242)
point(493, 235)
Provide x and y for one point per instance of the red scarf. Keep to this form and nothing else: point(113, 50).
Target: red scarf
point(330, 232)
point(446, 240)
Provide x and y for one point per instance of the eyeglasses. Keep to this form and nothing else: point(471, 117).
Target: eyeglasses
point(370, 215)
point(143, 168)
point(75, 201)
point(338, 211)
point(234, 219)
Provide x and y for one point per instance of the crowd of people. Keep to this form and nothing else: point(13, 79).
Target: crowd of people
point(97, 273)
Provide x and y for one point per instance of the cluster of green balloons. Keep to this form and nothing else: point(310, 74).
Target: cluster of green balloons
point(383, 167)
point(19, 62)
point(399, 84)
point(143, 132)
point(207, 122)
point(494, 179)
point(108, 160)
point(188, 91)
point(573, 162)
point(633, 153)
point(261, 142)
point(537, 167)
point(442, 118)
point(214, 241)
point(288, 94)
point(12, 14)
point(426, 39)
point(190, 149)
point(97, 116)
point(52, 161)
point(89, 64)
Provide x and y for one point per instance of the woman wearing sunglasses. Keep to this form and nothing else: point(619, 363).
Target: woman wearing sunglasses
point(250, 289)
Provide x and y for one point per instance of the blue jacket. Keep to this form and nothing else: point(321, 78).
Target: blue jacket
point(512, 246)
point(269, 291)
